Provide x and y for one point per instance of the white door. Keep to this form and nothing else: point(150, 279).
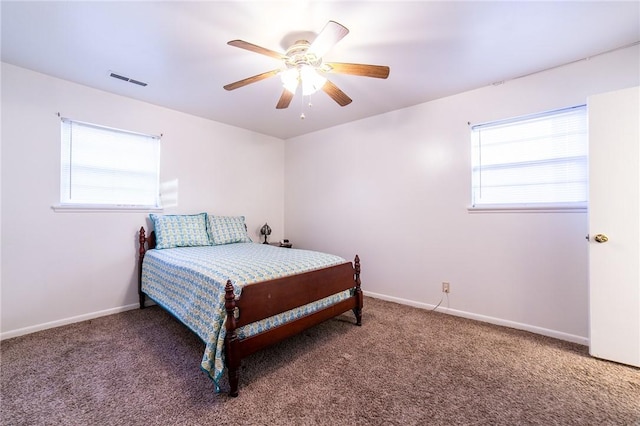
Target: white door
point(614, 219)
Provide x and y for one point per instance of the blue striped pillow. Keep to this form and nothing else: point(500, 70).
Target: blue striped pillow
point(228, 229)
point(180, 230)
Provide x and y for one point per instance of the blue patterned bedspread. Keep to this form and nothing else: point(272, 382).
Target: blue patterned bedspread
point(189, 283)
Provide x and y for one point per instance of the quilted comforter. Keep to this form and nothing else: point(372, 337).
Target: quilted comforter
point(189, 283)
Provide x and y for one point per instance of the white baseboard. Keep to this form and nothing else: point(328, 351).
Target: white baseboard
point(497, 321)
point(491, 320)
point(66, 321)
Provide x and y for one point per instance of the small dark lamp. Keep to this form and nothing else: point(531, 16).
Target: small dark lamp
point(265, 230)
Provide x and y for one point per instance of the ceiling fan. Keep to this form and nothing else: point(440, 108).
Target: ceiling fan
point(303, 66)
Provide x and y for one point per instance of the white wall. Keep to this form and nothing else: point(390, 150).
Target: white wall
point(61, 267)
point(392, 188)
point(395, 189)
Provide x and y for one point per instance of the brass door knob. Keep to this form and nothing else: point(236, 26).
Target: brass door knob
point(601, 238)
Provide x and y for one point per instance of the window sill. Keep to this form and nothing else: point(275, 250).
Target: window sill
point(101, 208)
point(529, 208)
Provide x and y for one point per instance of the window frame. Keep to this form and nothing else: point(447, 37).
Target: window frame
point(526, 207)
point(65, 179)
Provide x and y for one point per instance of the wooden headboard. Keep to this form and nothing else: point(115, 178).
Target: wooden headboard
point(145, 243)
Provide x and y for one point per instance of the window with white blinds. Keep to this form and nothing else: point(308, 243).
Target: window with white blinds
point(105, 167)
point(536, 161)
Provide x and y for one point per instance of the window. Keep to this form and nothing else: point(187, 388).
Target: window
point(537, 161)
point(104, 167)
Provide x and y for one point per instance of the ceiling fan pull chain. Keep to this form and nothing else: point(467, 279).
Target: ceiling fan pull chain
point(302, 116)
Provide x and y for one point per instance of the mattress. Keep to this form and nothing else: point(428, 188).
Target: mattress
point(189, 283)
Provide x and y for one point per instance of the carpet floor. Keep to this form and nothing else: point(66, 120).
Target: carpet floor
point(404, 366)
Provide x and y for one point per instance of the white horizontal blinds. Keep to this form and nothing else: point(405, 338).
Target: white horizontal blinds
point(103, 166)
point(540, 159)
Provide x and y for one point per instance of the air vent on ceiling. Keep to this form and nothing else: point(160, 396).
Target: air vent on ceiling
point(130, 80)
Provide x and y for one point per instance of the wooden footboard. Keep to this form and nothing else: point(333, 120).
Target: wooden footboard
point(263, 300)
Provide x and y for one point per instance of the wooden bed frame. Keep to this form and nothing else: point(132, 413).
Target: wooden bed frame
point(262, 300)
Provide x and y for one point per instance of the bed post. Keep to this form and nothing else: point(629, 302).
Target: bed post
point(231, 358)
point(358, 292)
point(141, 251)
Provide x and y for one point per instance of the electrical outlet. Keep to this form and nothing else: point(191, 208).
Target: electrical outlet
point(445, 287)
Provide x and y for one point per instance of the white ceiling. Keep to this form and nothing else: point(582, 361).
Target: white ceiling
point(434, 49)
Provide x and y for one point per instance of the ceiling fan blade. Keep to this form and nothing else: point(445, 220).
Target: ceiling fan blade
point(328, 37)
point(365, 70)
point(253, 79)
point(257, 49)
point(336, 94)
point(285, 99)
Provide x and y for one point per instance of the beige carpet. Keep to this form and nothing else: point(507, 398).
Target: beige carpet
point(404, 366)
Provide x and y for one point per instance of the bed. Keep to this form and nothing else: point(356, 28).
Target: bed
point(239, 296)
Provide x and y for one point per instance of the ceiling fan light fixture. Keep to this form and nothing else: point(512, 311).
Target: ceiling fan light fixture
point(311, 80)
point(305, 75)
point(290, 79)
